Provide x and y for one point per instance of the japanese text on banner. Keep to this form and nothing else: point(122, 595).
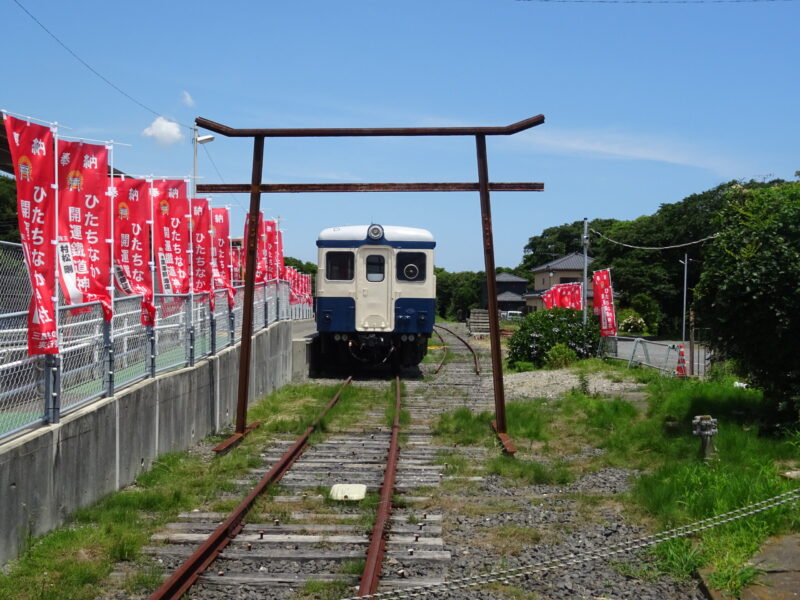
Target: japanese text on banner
point(84, 226)
point(33, 154)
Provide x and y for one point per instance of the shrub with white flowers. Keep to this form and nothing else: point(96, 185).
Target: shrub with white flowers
point(539, 331)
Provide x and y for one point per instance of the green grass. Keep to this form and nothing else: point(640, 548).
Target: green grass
point(324, 590)
point(525, 420)
point(72, 562)
point(678, 487)
point(528, 472)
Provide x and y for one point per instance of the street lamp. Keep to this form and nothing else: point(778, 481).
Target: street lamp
point(198, 139)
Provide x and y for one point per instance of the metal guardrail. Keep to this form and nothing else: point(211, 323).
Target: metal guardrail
point(656, 355)
point(98, 357)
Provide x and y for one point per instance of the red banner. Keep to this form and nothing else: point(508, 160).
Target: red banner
point(201, 248)
point(84, 224)
point(171, 235)
point(271, 229)
point(132, 260)
point(290, 275)
point(236, 264)
point(278, 253)
point(564, 295)
point(32, 151)
point(603, 303)
point(261, 247)
point(221, 252)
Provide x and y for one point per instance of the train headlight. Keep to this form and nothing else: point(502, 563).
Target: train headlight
point(375, 232)
point(404, 338)
point(411, 271)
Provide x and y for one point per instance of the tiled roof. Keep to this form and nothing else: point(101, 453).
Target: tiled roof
point(509, 297)
point(570, 262)
point(508, 277)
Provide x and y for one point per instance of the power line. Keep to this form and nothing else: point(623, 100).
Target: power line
point(233, 197)
point(705, 239)
point(656, 1)
point(88, 66)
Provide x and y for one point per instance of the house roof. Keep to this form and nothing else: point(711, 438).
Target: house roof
point(509, 297)
point(570, 262)
point(508, 277)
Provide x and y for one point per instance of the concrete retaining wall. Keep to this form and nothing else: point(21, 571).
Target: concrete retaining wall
point(48, 473)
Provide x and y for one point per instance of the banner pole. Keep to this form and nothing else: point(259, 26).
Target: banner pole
point(154, 328)
point(53, 403)
point(191, 280)
point(111, 196)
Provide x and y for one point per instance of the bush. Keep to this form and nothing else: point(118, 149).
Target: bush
point(559, 356)
point(649, 309)
point(539, 331)
point(630, 321)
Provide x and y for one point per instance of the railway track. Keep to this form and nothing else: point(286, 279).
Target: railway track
point(290, 540)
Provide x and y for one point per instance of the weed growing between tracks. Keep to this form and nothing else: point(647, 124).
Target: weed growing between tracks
point(653, 436)
point(72, 562)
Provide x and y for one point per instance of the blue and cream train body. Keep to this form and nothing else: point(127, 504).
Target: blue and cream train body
point(376, 293)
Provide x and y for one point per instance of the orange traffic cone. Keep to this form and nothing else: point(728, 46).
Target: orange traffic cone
point(681, 370)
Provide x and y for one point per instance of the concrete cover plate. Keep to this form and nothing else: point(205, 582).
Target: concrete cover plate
point(348, 491)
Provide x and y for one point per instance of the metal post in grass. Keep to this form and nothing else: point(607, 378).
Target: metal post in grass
point(705, 427)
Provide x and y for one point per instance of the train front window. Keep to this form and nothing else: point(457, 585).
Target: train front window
point(339, 266)
point(376, 267)
point(411, 266)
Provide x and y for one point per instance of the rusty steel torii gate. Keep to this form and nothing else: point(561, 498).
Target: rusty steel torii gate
point(256, 188)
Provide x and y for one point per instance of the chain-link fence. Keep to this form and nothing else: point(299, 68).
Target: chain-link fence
point(98, 357)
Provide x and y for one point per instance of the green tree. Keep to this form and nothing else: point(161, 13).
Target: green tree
point(748, 292)
point(9, 227)
point(307, 268)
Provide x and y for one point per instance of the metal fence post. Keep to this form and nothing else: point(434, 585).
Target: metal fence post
point(212, 326)
point(231, 326)
point(633, 352)
point(190, 330)
point(52, 388)
point(108, 363)
point(266, 306)
point(151, 339)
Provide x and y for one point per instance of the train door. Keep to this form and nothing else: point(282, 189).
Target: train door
point(374, 302)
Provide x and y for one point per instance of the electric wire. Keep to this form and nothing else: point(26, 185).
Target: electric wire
point(222, 179)
point(88, 66)
point(705, 239)
point(657, 1)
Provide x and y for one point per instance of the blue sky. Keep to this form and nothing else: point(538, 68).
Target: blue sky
point(644, 103)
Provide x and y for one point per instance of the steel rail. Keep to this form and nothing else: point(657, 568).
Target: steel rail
point(463, 341)
point(187, 574)
point(444, 353)
point(377, 545)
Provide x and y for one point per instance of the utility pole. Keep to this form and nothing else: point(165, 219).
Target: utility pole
point(685, 273)
point(585, 265)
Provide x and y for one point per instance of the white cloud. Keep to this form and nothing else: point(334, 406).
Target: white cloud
point(187, 99)
point(164, 131)
point(625, 146)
